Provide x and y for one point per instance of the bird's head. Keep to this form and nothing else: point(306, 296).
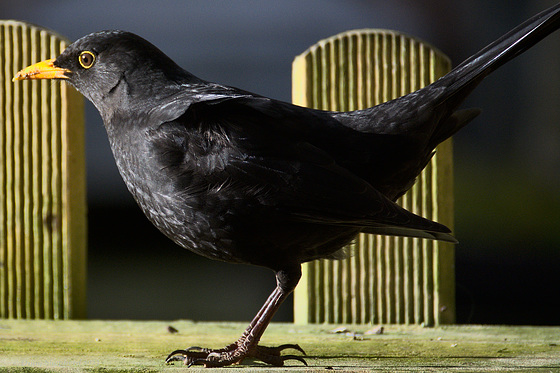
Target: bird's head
point(111, 67)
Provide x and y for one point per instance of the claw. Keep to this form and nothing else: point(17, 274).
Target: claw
point(177, 355)
point(188, 356)
point(292, 346)
point(271, 355)
point(294, 357)
point(234, 354)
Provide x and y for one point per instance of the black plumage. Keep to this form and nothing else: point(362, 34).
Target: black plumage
point(239, 177)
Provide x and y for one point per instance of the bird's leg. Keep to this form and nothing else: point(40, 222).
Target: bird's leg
point(247, 345)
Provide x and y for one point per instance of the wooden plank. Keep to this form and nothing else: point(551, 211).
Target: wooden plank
point(141, 346)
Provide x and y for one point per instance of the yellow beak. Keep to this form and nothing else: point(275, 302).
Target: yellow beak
point(42, 70)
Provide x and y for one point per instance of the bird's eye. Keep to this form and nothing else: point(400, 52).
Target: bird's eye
point(86, 59)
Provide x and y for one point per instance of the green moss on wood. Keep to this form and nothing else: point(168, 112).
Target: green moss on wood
point(133, 346)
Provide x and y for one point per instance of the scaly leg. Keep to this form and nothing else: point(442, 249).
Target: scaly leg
point(247, 345)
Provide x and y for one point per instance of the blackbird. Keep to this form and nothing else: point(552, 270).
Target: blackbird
point(243, 178)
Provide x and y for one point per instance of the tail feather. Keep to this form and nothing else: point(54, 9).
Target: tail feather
point(452, 125)
point(411, 232)
point(470, 72)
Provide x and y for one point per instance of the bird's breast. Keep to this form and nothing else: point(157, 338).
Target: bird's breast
point(172, 201)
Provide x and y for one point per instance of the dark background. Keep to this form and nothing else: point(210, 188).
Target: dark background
point(507, 173)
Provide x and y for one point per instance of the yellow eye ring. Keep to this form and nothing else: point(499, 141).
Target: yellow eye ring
point(86, 59)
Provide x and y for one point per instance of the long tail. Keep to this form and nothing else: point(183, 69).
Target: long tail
point(460, 82)
point(509, 46)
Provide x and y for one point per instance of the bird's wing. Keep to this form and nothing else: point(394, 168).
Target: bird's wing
point(267, 154)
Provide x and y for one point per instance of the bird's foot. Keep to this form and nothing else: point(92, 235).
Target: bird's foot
point(234, 354)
